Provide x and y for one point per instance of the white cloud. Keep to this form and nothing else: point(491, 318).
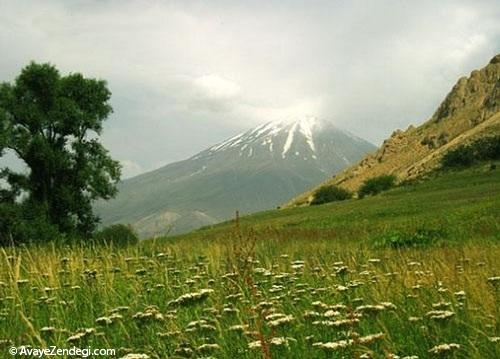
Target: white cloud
point(297, 109)
point(214, 93)
point(218, 87)
point(465, 47)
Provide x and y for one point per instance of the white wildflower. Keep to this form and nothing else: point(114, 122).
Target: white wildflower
point(331, 313)
point(370, 338)
point(238, 328)
point(104, 321)
point(370, 308)
point(444, 348)
point(254, 345)
point(136, 356)
point(190, 298)
point(80, 335)
point(341, 344)
point(281, 321)
point(460, 295)
point(440, 314)
point(207, 347)
point(150, 313)
point(441, 305)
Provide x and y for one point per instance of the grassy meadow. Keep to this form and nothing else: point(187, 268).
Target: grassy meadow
point(411, 273)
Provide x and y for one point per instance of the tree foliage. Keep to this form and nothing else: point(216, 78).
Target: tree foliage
point(52, 123)
point(24, 223)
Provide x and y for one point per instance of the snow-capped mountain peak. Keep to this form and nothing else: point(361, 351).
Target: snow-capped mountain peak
point(275, 136)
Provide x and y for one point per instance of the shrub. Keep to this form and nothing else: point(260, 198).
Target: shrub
point(328, 194)
point(420, 237)
point(117, 234)
point(483, 149)
point(487, 148)
point(376, 185)
point(462, 156)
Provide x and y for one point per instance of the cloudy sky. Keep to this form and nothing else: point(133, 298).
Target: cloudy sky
point(187, 74)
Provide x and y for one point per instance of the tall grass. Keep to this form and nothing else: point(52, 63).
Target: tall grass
point(305, 283)
point(323, 292)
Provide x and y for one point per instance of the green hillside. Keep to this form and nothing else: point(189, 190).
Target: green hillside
point(460, 204)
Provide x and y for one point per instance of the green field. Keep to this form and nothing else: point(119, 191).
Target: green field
point(413, 272)
point(464, 204)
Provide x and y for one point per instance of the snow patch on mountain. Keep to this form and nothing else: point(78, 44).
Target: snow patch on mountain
point(304, 126)
point(289, 140)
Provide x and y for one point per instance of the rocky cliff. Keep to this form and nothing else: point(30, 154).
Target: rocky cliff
point(469, 111)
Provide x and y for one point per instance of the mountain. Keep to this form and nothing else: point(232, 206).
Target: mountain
point(471, 110)
point(253, 171)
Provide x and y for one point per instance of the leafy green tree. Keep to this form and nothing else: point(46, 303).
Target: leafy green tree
point(52, 123)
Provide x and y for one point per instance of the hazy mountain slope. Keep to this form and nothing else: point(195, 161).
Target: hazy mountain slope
point(253, 171)
point(470, 110)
